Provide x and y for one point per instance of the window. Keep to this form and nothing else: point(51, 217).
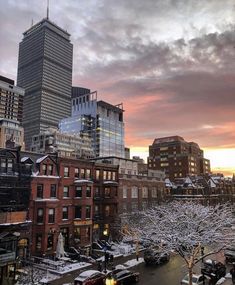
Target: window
point(105, 175)
point(78, 212)
point(78, 191)
point(9, 165)
point(134, 192)
point(38, 241)
point(97, 192)
point(88, 191)
point(97, 174)
point(154, 192)
point(40, 216)
point(87, 233)
point(109, 175)
point(51, 216)
point(50, 239)
point(82, 173)
point(53, 191)
point(114, 176)
point(88, 173)
point(124, 192)
point(76, 172)
point(65, 213)
point(66, 171)
point(107, 192)
point(107, 211)
point(50, 169)
point(145, 192)
point(40, 191)
point(66, 192)
point(44, 169)
point(88, 212)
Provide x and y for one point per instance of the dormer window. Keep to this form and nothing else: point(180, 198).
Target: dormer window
point(44, 169)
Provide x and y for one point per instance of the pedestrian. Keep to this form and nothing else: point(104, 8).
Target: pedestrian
point(232, 272)
point(99, 266)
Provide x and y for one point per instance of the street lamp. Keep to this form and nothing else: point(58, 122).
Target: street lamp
point(110, 280)
point(105, 233)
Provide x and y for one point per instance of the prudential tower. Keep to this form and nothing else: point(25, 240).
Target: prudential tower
point(45, 72)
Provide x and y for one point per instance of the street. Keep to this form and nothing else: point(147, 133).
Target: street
point(167, 274)
point(170, 273)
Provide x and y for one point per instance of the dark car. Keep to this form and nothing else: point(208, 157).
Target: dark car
point(125, 277)
point(155, 256)
point(229, 254)
point(213, 269)
point(90, 277)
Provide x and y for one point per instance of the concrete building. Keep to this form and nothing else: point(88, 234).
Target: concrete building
point(101, 120)
point(11, 134)
point(11, 100)
point(65, 145)
point(45, 72)
point(177, 158)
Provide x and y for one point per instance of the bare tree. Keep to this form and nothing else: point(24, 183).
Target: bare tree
point(184, 227)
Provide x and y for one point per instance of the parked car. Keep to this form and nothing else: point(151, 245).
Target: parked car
point(213, 269)
point(90, 277)
point(229, 254)
point(125, 277)
point(155, 256)
point(197, 279)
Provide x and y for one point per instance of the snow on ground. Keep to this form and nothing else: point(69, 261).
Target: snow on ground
point(44, 276)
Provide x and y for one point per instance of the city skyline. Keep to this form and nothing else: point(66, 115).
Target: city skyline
point(169, 62)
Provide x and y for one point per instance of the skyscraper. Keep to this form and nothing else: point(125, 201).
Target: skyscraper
point(45, 72)
point(101, 120)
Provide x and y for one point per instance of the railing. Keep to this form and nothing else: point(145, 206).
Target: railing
point(8, 256)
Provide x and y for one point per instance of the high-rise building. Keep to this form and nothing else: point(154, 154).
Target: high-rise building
point(45, 72)
point(101, 120)
point(177, 157)
point(11, 100)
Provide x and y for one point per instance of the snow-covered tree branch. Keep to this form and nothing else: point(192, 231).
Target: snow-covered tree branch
point(184, 227)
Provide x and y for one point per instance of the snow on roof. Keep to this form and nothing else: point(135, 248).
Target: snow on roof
point(110, 182)
point(23, 159)
point(212, 183)
point(83, 181)
point(39, 160)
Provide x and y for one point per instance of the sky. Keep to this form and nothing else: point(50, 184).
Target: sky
point(170, 62)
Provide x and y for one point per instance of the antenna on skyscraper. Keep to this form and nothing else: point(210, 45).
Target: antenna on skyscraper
point(32, 23)
point(47, 9)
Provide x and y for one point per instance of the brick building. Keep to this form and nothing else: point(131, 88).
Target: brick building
point(177, 158)
point(15, 177)
point(67, 194)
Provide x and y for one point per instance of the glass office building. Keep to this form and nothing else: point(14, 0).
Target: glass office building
point(103, 122)
point(45, 72)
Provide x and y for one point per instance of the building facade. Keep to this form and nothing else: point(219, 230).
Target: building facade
point(177, 158)
point(65, 145)
point(45, 72)
point(102, 121)
point(11, 100)
point(15, 226)
point(11, 134)
point(70, 196)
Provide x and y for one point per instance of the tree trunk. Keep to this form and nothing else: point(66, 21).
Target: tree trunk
point(190, 272)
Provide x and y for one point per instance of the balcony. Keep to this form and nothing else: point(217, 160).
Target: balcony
point(6, 256)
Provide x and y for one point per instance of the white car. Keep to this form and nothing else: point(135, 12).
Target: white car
point(196, 278)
